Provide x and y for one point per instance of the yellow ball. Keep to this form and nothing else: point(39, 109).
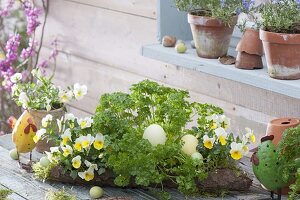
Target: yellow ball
point(14, 154)
point(190, 144)
point(96, 192)
point(155, 134)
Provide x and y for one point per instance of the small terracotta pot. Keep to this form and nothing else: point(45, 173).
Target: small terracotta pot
point(282, 54)
point(38, 115)
point(276, 127)
point(211, 36)
point(248, 61)
point(250, 42)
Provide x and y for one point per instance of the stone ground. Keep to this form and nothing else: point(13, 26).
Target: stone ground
point(25, 187)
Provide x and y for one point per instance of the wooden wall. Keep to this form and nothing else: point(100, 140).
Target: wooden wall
point(100, 42)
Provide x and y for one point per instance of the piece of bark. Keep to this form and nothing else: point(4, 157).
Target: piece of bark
point(227, 60)
point(226, 179)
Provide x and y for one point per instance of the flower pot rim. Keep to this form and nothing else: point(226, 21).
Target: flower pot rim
point(279, 38)
point(45, 111)
point(285, 121)
point(209, 21)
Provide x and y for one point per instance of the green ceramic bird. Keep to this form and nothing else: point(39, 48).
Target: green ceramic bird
point(266, 166)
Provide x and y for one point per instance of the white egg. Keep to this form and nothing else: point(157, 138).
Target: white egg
point(190, 144)
point(155, 134)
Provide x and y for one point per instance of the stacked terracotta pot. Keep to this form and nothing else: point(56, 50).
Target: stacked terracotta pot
point(250, 51)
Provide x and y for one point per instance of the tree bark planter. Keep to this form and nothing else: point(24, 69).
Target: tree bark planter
point(38, 115)
point(282, 53)
point(211, 36)
point(220, 179)
point(276, 127)
point(250, 50)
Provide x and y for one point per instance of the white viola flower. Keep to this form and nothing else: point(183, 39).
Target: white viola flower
point(49, 156)
point(87, 175)
point(79, 91)
point(36, 73)
point(64, 96)
point(23, 99)
point(54, 149)
point(250, 135)
point(244, 143)
point(78, 143)
point(69, 117)
point(221, 135)
point(76, 162)
point(67, 150)
point(100, 155)
point(66, 136)
point(39, 135)
point(91, 165)
point(99, 141)
point(208, 142)
point(85, 122)
point(47, 120)
point(59, 123)
point(16, 77)
point(236, 151)
point(224, 121)
point(215, 121)
point(87, 141)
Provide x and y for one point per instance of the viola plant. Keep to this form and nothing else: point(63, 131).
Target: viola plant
point(79, 151)
point(43, 94)
point(220, 9)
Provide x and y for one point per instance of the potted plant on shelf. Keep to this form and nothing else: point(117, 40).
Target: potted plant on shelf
point(212, 23)
point(280, 35)
point(44, 101)
point(249, 48)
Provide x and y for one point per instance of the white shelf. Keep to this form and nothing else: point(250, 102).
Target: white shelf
point(256, 78)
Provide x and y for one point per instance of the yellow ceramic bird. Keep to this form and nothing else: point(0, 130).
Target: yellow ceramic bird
point(23, 132)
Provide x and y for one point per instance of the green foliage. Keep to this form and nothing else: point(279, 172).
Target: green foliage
point(122, 118)
point(59, 195)
point(281, 16)
point(287, 151)
point(4, 193)
point(295, 188)
point(42, 173)
point(220, 9)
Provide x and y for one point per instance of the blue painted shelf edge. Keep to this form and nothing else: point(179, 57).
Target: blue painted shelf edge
point(256, 78)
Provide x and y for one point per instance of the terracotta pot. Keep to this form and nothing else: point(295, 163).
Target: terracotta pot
point(211, 36)
point(38, 115)
point(250, 42)
point(276, 127)
point(282, 54)
point(248, 61)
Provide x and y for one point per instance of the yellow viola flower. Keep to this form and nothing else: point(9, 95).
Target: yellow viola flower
point(99, 141)
point(221, 135)
point(39, 135)
point(208, 142)
point(86, 122)
point(236, 151)
point(78, 144)
point(47, 120)
point(76, 162)
point(67, 150)
point(213, 121)
point(87, 175)
point(65, 96)
point(66, 137)
point(250, 135)
point(87, 141)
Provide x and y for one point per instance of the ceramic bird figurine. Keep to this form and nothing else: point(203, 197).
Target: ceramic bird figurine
point(267, 168)
point(23, 132)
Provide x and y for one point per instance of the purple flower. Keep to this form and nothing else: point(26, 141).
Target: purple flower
point(32, 14)
point(5, 12)
point(247, 4)
point(30, 50)
point(223, 3)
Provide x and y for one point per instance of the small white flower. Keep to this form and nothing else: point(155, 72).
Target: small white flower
point(48, 108)
point(87, 141)
point(91, 165)
point(79, 91)
point(236, 151)
point(36, 73)
point(221, 135)
point(16, 77)
point(59, 123)
point(250, 135)
point(69, 117)
point(208, 142)
point(87, 175)
point(66, 136)
point(67, 150)
point(64, 96)
point(225, 121)
point(39, 135)
point(100, 155)
point(76, 162)
point(14, 89)
point(85, 123)
point(23, 99)
point(46, 120)
point(49, 156)
point(54, 149)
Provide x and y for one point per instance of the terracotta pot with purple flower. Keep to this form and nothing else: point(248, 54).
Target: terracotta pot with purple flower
point(281, 41)
point(212, 23)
